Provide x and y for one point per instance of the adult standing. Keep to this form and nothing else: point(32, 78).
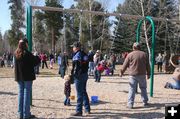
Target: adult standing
point(44, 59)
point(63, 64)
point(80, 75)
point(96, 60)
point(24, 75)
point(159, 60)
point(36, 68)
point(59, 63)
point(91, 62)
point(51, 60)
point(138, 64)
point(113, 60)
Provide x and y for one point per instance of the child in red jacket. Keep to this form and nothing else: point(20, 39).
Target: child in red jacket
point(99, 69)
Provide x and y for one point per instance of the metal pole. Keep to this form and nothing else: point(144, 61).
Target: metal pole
point(90, 25)
point(100, 13)
point(152, 49)
point(29, 27)
point(152, 55)
point(29, 36)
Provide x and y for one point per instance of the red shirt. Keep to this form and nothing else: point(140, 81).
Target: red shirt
point(101, 68)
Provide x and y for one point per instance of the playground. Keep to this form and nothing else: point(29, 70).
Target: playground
point(112, 92)
point(104, 36)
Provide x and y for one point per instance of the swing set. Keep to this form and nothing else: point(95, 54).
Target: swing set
point(148, 18)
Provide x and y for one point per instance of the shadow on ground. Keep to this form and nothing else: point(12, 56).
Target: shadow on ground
point(7, 93)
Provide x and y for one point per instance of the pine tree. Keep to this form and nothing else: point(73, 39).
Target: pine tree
point(17, 17)
point(155, 8)
point(124, 33)
point(54, 22)
point(39, 32)
point(167, 32)
point(100, 25)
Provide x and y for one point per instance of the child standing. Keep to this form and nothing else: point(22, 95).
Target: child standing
point(99, 69)
point(67, 89)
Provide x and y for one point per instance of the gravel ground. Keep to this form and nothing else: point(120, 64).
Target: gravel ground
point(112, 91)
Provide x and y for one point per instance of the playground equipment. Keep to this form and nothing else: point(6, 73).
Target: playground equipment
point(152, 49)
point(29, 26)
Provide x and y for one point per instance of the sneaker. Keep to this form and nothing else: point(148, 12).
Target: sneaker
point(166, 85)
point(145, 104)
point(77, 114)
point(68, 104)
point(87, 112)
point(31, 117)
point(130, 106)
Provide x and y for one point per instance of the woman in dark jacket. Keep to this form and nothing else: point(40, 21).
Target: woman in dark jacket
point(24, 75)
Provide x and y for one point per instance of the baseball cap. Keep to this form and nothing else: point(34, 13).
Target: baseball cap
point(76, 44)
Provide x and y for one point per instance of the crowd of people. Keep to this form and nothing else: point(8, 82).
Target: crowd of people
point(7, 60)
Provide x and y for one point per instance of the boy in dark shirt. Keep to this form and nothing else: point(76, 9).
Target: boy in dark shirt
point(67, 89)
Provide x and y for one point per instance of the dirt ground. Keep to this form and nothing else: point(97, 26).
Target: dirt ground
point(112, 92)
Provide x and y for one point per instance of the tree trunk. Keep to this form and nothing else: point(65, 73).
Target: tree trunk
point(53, 41)
point(145, 32)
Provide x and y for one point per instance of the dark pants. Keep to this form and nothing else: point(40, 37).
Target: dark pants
point(62, 71)
point(36, 69)
point(82, 96)
point(159, 67)
point(44, 62)
point(67, 100)
point(97, 76)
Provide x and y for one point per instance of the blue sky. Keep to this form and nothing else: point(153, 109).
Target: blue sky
point(5, 20)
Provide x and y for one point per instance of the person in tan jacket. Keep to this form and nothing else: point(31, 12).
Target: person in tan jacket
point(138, 67)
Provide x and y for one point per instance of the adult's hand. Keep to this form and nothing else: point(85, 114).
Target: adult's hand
point(120, 73)
point(148, 76)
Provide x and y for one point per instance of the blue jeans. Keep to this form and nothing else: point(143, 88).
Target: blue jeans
point(174, 85)
point(82, 96)
point(133, 81)
point(25, 88)
point(67, 100)
point(91, 68)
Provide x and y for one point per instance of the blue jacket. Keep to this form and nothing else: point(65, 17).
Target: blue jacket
point(80, 63)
